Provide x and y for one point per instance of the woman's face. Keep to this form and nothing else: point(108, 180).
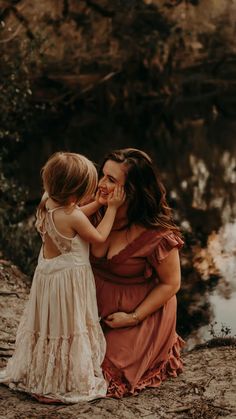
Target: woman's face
point(113, 174)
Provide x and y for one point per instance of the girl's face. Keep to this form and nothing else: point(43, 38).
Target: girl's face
point(113, 174)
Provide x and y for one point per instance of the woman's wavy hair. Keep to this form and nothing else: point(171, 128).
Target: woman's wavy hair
point(145, 193)
point(66, 175)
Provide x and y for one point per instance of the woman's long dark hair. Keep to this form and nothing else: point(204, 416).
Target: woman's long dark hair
point(146, 195)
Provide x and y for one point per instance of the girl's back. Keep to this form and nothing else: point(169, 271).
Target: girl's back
point(59, 238)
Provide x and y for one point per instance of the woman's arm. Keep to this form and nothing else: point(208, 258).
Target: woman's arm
point(169, 283)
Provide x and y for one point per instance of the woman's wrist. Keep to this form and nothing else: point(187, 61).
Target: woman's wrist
point(135, 317)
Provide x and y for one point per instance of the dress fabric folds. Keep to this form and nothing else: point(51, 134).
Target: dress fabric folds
point(143, 355)
point(60, 345)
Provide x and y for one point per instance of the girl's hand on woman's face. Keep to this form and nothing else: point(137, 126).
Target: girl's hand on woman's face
point(97, 196)
point(117, 197)
point(120, 319)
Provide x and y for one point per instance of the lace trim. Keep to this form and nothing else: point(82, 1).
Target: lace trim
point(63, 244)
point(43, 336)
point(58, 366)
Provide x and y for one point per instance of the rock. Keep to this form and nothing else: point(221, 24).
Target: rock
point(14, 287)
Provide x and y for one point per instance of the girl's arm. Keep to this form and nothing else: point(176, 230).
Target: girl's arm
point(91, 208)
point(169, 283)
point(82, 225)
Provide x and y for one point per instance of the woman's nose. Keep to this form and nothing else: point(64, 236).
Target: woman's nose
point(102, 181)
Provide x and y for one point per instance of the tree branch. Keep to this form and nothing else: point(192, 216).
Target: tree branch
point(13, 35)
point(100, 9)
point(19, 16)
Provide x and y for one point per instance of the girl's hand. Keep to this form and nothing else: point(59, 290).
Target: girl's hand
point(120, 319)
point(97, 196)
point(117, 197)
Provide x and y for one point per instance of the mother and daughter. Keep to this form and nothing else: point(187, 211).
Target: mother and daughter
point(80, 338)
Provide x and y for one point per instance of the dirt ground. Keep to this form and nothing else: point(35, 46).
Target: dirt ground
point(206, 389)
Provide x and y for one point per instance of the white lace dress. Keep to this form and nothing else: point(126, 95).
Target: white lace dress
point(60, 345)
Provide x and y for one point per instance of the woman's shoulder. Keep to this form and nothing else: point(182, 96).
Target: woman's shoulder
point(161, 242)
point(156, 234)
point(156, 240)
point(161, 232)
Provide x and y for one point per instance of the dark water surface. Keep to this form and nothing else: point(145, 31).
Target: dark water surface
point(198, 167)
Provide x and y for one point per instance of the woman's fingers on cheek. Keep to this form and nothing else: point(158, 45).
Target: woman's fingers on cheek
point(121, 192)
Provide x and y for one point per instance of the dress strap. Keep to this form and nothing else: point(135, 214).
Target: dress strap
point(57, 208)
point(53, 209)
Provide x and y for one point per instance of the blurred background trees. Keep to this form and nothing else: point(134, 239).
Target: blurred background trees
point(94, 75)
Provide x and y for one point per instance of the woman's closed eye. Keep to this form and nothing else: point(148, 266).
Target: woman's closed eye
point(109, 178)
point(112, 180)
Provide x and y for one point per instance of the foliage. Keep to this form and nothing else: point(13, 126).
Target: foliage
point(135, 72)
point(223, 332)
point(18, 240)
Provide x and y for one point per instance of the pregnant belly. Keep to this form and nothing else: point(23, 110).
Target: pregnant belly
point(113, 297)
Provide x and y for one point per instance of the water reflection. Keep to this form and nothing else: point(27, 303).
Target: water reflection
point(198, 166)
point(200, 176)
point(222, 318)
point(217, 260)
point(204, 198)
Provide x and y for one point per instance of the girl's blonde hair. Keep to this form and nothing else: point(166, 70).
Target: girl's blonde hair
point(66, 175)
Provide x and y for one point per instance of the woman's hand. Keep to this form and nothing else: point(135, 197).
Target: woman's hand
point(120, 319)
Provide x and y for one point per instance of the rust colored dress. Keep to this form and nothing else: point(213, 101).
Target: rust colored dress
point(143, 355)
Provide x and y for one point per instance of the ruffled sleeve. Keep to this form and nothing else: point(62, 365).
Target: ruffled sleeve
point(163, 247)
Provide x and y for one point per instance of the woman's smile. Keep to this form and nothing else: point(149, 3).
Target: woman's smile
point(103, 194)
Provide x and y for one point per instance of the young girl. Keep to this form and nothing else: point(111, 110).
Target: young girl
point(60, 345)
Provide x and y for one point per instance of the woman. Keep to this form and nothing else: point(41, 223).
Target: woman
point(137, 274)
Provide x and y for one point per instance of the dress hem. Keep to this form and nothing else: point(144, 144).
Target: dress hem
point(118, 385)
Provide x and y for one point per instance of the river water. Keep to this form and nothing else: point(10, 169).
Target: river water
point(206, 187)
point(198, 167)
point(221, 296)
